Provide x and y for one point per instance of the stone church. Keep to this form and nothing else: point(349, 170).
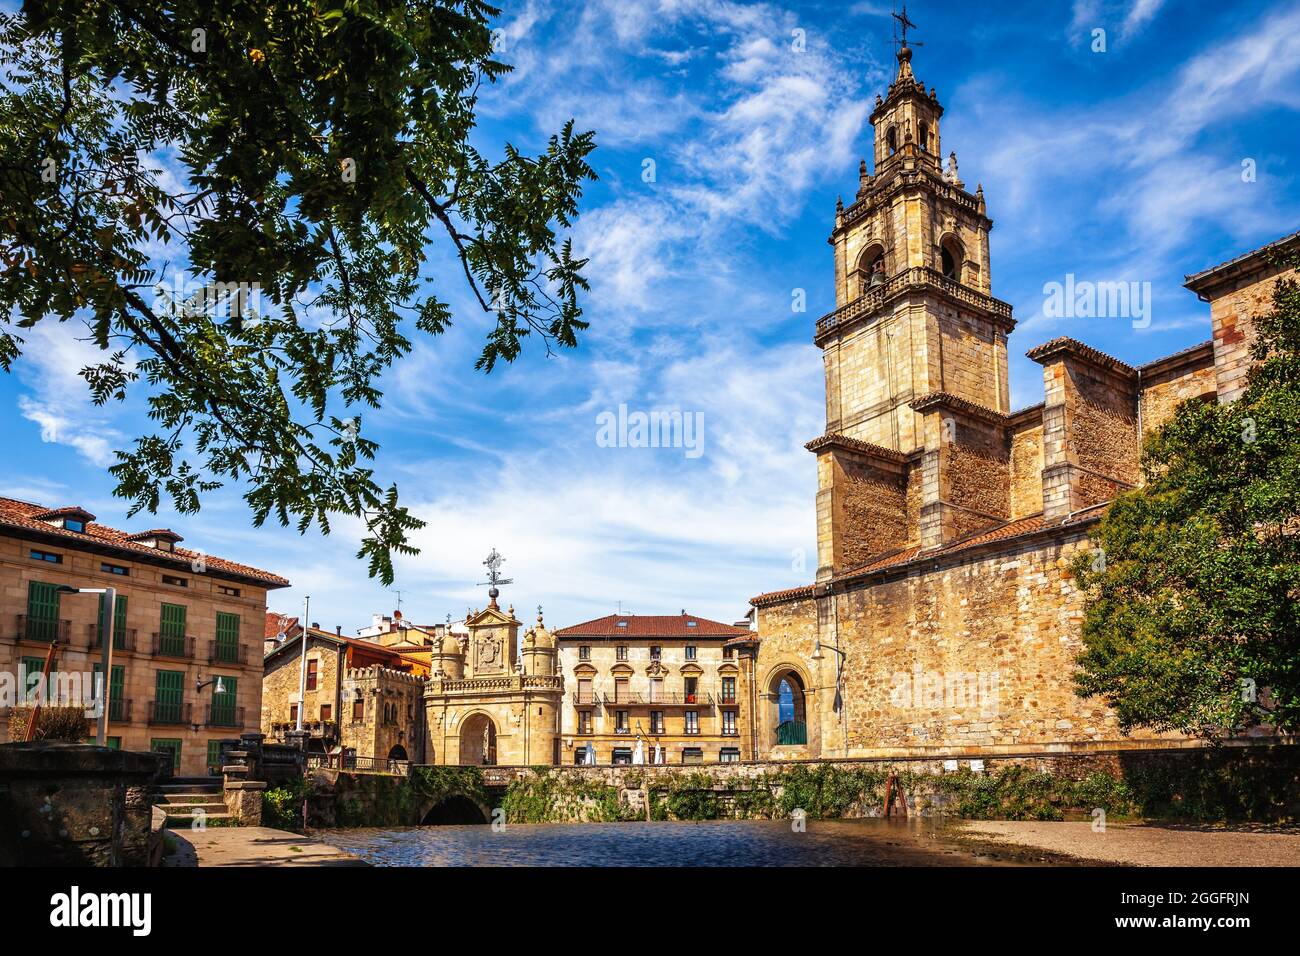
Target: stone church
point(944, 616)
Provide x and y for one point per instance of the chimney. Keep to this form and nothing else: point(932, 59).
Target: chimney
point(315, 625)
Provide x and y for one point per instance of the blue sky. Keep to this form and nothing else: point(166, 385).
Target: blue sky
point(1125, 164)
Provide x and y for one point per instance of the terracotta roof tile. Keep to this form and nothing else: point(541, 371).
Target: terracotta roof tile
point(649, 625)
point(21, 516)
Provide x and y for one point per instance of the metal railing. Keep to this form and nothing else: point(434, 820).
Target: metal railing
point(913, 277)
point(791, 732)
point(219, 653)
point(358, 764)
point(43, 630)
point(123, 638)
point(225, 716)
point(168, 712)
point(589, 699)
point(172, 646)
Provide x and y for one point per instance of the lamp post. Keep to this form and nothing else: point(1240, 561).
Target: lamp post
point(839, 698)
point(107, 617)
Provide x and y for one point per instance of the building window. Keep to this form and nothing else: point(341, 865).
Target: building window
point(214, 754)
point(228, 591)
point(656, 690)
point(729, 755)
point(620, 722)
point(311, 674)
point(584, 722)
point(692, 688)
point(359, 709)
point(728, 690)
point(116, 691)
point(690, 652)
point(175, 581)
point(293, 714)
point(170, 745)
point(692, 755)
point(117, 569)
point(621, 695)
point(656, 721)
point(692, 722)
point(729, 723)
point(74, 524)
point(326, 711)
point(656, 652)
point(621, 653)
point(49, 556)
point(42, 612)
point(227, 637)
point(224, 713)
point(169, 696)
point(621, 756)
point(728, 653)
point(585, 693)
point(171, 630)
point(584, 652)
point(31, 670)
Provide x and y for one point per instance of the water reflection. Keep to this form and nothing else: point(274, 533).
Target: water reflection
point(712, 843)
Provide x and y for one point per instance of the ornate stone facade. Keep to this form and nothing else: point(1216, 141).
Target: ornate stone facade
point(944, 616)
point(489, 702)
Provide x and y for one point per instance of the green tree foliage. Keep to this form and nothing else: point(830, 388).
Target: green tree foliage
point(1193, 620)
point(312, 150)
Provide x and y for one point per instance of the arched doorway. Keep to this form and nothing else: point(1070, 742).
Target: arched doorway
point(789, 718)
point(478, 741)
point(454, 811)
point(397, 753)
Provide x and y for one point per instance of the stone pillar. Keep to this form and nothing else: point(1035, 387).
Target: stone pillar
point(244, 801)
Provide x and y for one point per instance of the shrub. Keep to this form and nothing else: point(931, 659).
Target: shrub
point(54, 723)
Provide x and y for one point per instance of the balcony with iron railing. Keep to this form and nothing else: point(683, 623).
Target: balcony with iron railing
point(219, 716)
point(172, 645)
point(169, 712)
point(585, 699)
point(43, 630)
point(791, 733)
point(915, 277)
point(220, 652)
point(123, 638)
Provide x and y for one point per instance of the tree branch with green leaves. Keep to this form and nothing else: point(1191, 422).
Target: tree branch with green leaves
point(313, 151)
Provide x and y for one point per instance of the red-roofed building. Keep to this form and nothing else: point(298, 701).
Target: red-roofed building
point(667, 681)
point(182, 615)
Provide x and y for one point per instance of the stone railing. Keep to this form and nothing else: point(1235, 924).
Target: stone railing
point(915, 277)
point(513, 682)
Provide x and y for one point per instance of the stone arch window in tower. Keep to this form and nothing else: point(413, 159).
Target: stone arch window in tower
point(871, 266)
point(924, 138)
point(952, 255)
point(891, 140)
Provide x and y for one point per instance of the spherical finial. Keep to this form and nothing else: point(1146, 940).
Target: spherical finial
point(905, 53)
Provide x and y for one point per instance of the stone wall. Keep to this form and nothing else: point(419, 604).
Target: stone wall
point(76, 805)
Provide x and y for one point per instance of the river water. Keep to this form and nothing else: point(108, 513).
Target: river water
point(712, 843)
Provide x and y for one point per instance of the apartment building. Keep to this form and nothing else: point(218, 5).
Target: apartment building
point(665, 682)
point(183, 619)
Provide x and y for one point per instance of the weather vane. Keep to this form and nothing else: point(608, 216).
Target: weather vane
point(904, 23)
point(493, 563)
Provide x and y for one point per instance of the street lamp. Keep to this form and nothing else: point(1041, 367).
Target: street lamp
point(817, 656)
point(108, 614)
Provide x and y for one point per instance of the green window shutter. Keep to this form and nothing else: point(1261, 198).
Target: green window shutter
point(119, 619)
point(32, 668)
point(169, 691)
point(42, 611)
point(171, 629)
point(214, 753)
point(227, 636)
point(223, 705)
point(116, 690)
point(172, 744)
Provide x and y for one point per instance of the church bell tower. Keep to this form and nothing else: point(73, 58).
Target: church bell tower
point(915, 352)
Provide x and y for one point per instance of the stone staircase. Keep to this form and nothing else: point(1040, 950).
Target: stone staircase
point(184, 797)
